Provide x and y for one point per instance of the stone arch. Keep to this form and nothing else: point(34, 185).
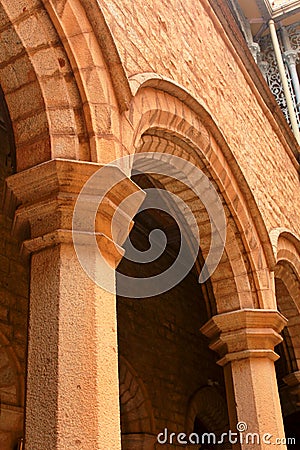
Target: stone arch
point(39, 86)
point(210, 407)
point(137, 419)
point(286, 247)
point(227, 273)
point(99, 73)
point(287, 281)
point(63, 81)
point(175, 112)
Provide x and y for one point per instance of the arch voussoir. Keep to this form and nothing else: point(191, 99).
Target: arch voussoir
point(42, 101)
point(184, 132)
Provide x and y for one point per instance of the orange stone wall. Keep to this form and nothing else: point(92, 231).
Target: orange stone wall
point(184, 41)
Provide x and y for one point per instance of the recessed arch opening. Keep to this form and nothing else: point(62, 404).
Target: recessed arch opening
point(160, 334)
point(286, 285)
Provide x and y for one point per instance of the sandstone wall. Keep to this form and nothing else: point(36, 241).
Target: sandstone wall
point(185, 42)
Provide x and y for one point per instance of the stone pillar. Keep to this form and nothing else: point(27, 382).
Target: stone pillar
point(245, 340)
point(72, 399)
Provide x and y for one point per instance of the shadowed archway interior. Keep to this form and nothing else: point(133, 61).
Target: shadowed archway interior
point(14, 282)
point(160, 335)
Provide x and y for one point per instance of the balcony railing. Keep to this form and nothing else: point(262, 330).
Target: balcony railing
point(291, 55)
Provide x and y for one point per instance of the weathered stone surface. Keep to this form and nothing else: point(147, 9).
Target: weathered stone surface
point(69, 97)
point(191, 51)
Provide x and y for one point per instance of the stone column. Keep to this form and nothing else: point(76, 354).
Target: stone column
point(72, 399)
point(245, 340)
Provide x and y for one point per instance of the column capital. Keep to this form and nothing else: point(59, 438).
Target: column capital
point(42, 200)
point(246, 333)
point(290, 56)
point(254, 49)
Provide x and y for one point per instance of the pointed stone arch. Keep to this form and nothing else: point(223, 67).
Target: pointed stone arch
point(137, 419)
point(63, 81)
point(100, 76)
point(209, 406)
point(287, 278)
point(163, 110)
point(228, 274)
point(286, 247)
point(39, 86)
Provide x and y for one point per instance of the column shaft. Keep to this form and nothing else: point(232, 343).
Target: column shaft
point(72, 389)
point(245, 340)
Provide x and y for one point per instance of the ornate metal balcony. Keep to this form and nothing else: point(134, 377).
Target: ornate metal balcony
point(272, 31)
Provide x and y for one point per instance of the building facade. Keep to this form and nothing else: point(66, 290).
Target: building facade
point(158, 96)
